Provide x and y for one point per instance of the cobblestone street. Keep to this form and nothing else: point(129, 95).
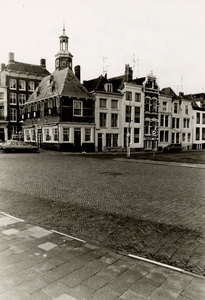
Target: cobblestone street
point(150, 210)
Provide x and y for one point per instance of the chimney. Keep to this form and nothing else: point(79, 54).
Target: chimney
point(77, 72)
point(2, 67)
point(43, 63)
point(11, 57)
point(128, 73)
point(181, 94)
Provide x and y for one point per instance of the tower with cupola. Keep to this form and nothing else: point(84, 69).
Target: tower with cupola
point(63, 57)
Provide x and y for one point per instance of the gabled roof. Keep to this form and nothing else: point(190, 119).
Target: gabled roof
point(65, 83)
point(27, 68)
point(168, 91)
point(139, 81)
point(117, 82)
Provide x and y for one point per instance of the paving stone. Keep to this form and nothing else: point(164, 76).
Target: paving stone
point(47, 246)
point(39, 295)
point(131, 295)
point(32, 286)
point(105, 294)
point(10, 231)
point(57, 288)
point(4, 221)
point(95, 282)
point(14, 294)
point(65, 297)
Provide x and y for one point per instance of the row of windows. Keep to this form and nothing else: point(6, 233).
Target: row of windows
point(198, 118)
point(176, 109)
point(151, 105)
point(21, 85)
point(137, 96)
point(114, 103)
point(51, 134)
point(200, 132)
point(164, 122)
point(13, 98)
point(128, 114)
point(103, 120)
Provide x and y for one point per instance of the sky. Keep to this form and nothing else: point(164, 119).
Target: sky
point(160, 36)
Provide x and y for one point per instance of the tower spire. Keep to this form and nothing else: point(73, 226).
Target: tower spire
point(63, 27)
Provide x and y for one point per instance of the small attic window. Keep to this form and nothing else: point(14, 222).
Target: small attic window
point(108, 87)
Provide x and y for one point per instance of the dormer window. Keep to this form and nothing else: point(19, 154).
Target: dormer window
point(108, 87)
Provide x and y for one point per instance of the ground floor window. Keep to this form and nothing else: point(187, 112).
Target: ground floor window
point(197, 133)
point(27, 135)
point(66, 134)
point(47, 136)
point(33, 135)
point(136, 135)
point(87, 134)
point(183, 137)
point(55, 134)
point(189, 137)
point(111, 140)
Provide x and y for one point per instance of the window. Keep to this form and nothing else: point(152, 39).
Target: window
point(77, 108)
point(55, 134)
point(186, 110)
point(22, 99)
point(13, 130)
point(198, 118)
point(27, 135)
point(13, 115)
point(189, 137)
point(166, 121)
point(166, 136)
point(137, 97)
point(114, 120)
point(203, 118)
point(111, 140)
point(177, 137)
point(66, 134)
point(147, 104)
point(31, 86)
point(197, 133)
point(87, 134)
point(184, 123)
point(137, 114)
point(173, 137)
point(173, 122)
point(128, 114)
point(1, 112)
point(136, 135)
point(33, 134)
point(203, 134)
point(47, 134)
point(114, 104)
point(13, 98)
point(147, 131)
point(164, 106)
point(108, 87)
point(154, 105)
point(177, 125)
point(162, 120)
point(103, 103)
point(183, 137)
point(153, 125)
point(22, 85)
point(187, 123)
point(12, 84)
point(161, 136)
point(175, 108)
point(103, 120)
point(129, 96)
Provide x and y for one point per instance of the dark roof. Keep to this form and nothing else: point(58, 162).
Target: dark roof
point(27, 68)
point(168, 91)
point(117, 82)
point(139, 80)
point(96, 84)
point(65, 84)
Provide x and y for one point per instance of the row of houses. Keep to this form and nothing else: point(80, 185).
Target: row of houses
point(57, 111)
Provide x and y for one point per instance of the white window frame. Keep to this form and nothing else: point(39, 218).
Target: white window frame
point(114, 121)
point(80, 109)
point(66, 133)
point(55, 134)
point(105, 123)
point(22, 99)
point(33, 135)
point(12, 84)
point(27, 135)
point(137, 97)
point(22, 85)
point(13, 98)
point(31, 85)
point(114, 104)
point(103, 103)
point(108, 87)
point(87, 134)
point(13, 115)
point(47, 137)
point(164, 106)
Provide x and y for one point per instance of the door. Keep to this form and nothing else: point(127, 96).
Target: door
point(77, 139)
point(99, 142)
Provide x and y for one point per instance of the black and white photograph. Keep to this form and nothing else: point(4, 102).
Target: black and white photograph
point(102, 150)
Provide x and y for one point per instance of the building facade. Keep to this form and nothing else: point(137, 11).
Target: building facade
point(3, 114)
point(20, 80)
point(60, 113)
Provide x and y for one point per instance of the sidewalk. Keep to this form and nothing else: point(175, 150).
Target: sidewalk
point(40, 264)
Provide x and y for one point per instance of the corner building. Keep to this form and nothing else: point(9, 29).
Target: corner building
point(59, 115)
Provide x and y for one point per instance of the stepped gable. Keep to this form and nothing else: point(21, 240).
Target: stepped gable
point(63, 83)
point(27, 68)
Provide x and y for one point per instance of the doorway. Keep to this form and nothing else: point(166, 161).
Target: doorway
point(99, 142)
point(77, 139)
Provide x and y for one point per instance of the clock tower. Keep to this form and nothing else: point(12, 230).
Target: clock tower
point(63, 57)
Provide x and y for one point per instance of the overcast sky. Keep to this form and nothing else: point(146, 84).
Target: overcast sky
point(163, 36)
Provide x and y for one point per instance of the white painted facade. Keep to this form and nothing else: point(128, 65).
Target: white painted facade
point(198, 128)
point(165, 121)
